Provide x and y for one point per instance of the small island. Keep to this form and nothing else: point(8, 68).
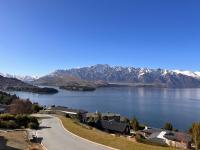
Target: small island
point(34, 89)
point(78, 86)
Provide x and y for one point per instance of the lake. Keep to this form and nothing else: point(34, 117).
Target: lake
point(152, 106)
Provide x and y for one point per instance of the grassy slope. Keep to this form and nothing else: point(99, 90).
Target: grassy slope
point(106, 139)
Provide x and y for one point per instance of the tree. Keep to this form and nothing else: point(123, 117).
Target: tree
point(20, 107)
point(98, 118)
point(195, 133)
point(135, 124)
point(36, 107)
point(168, 126)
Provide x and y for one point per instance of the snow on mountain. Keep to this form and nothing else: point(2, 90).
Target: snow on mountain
point(188, 73)
point(197, 73)
point(19, 77)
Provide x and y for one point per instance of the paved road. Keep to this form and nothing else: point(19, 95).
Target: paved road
point(54, 137)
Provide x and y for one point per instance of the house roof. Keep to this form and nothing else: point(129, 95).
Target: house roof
point(152, 130)
point(157, 140)
point(178, 136)
point(113, 125)
point(109, 114)
point(68, 110)
point(155, 133)
point(91, 114)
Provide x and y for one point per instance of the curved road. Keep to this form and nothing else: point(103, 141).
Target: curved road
point(54, 137)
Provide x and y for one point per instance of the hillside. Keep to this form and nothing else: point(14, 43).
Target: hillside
point(17, 85)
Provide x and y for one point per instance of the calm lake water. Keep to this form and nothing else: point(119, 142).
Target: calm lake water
point(152, 106)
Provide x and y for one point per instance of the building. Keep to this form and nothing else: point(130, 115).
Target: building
point(104, 116)
point(110, 116)
point(68, 112)
point(170, 138)
point(113, 126)
point(178, 139)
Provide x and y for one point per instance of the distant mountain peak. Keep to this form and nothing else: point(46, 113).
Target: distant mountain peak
point(19, 77)
point(119, 74)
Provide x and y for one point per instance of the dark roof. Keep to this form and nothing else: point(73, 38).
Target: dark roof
point(113, 125)
point(152, 130)
point(157, 140)
point(178, 136)
point(62, 108)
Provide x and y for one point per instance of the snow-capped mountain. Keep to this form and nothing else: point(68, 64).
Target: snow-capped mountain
point(119, 74)
point(19, 77)
point(188, 73)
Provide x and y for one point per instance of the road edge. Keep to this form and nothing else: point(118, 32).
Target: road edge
point(84, 138)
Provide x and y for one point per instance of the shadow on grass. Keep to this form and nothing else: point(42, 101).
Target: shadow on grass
point(4, 146)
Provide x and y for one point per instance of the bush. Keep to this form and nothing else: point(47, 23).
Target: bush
point(19, 121)
point(3, 124)
point(6, 117)
point(11, 124)
point(36, 108)
point(22, 120)
point(139, 138)
point(33, 119)
point(32, 125)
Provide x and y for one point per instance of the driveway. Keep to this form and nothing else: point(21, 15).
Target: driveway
point(54, 137)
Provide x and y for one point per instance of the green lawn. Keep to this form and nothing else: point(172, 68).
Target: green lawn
point(106, 139)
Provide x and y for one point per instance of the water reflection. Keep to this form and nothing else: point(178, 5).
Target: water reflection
point(152, 106)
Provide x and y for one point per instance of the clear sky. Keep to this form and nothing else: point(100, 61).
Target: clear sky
point(39, 36)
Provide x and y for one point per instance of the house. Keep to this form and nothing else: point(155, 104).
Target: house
point(68, 112)
point(113, 126)
point(110, 116)
point(149, 131)
point(178, 139)
point(170, 138)
point(104, 116)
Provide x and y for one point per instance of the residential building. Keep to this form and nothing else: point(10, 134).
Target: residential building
point(113, 126)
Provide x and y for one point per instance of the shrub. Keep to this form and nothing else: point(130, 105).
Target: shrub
point(11, 124)
point(3, 124)
point(36, 108)
point(139, 138)
point(32, 125)
point(22, 120)
point(6, 117)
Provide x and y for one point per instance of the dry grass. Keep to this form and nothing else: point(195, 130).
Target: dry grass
point(16, 140)
point(107, 139)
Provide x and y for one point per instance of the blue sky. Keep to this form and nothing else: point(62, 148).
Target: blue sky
point(39, 36)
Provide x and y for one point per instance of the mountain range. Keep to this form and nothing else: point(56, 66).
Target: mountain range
point(19, 77)
point(119, 75)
